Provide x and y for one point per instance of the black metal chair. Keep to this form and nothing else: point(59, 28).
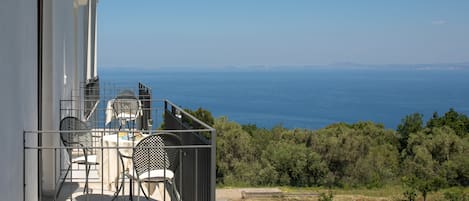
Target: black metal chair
point(75, 133)
point(155, 159)
point(126, 107)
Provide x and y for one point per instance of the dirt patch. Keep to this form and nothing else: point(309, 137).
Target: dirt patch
point(235, 194)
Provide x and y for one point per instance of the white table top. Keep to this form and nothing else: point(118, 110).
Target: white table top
point(113, 138)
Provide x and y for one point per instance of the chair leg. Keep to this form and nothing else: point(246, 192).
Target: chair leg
point(138, 193)
point(165, 186)
point(174, 192)
point(131, 189)
point(143, 190)
point(63, 181)
point(120, 188)
point(87, 172)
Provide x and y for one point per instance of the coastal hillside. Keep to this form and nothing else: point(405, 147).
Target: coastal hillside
point(419, 156)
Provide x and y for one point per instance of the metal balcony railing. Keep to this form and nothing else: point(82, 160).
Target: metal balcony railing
point(194, 177)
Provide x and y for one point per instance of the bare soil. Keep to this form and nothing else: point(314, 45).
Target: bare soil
point(235, 194)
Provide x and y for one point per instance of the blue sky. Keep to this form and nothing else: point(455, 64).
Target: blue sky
point(162, 34)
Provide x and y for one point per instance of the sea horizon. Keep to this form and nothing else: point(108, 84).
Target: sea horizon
point(309, 98)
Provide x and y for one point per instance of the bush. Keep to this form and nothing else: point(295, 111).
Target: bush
point(456, 195)
point(410, 195)
point(326, 196)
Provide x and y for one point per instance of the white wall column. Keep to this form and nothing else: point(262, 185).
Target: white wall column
point(94, 25)
point(59, 71)
point(50, 102)
point(89, 40)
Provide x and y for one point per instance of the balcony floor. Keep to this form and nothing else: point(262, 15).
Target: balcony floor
point(72, 189)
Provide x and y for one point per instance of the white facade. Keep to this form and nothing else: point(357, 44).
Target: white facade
point(18, 102)
point(68, 60)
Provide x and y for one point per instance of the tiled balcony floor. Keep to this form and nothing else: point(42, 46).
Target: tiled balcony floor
point(72, 190)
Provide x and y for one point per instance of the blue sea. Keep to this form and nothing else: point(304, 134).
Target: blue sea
point(312, 98)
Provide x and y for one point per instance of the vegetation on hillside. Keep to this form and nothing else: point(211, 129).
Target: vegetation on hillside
point(422, 156)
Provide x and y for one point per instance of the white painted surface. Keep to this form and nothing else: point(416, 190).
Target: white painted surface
point(65, 43)
point(64, 69)
point(18, 102)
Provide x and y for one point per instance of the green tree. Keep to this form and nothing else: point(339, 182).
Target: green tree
point(234, 154)
point(452, 119)
point(341, 154)
point(435, 121)
point(381, 164)
point(359, 154)
point(202, 115)
point(410, 194)
point(438, 152)
point(421, 171)
point(289, 160)
point(424, 186)
point(409, 124)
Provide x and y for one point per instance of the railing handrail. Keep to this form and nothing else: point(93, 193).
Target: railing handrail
point(122, 147)
point(189, 115)
point(163, 100)
point(105, 130)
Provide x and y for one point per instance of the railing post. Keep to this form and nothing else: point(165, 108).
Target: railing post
point(196, 170)
point(24, 165)
point(213, 158)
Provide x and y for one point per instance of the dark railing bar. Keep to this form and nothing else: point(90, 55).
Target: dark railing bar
point(196, 175)
point(189, 115)
point(213, 165)
point(116, 130)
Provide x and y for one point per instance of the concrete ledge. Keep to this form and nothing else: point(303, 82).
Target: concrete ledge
point(261, 193)
point(302, 195)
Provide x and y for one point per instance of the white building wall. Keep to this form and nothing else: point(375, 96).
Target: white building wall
point(51, 84)
point(18, 102)
point(64, 68)
point(57, 64)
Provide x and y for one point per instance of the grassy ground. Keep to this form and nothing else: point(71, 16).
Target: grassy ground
point(389, 193)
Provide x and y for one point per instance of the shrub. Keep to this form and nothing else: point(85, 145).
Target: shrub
point(326, 196)
point(456, 195)
point(410, 195)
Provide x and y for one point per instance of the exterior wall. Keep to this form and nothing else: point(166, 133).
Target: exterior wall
point(65, 46)
point(53, 78)
point(18, 102)
point(64, 72)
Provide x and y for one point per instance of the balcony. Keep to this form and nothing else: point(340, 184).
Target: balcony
point(113, 143)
